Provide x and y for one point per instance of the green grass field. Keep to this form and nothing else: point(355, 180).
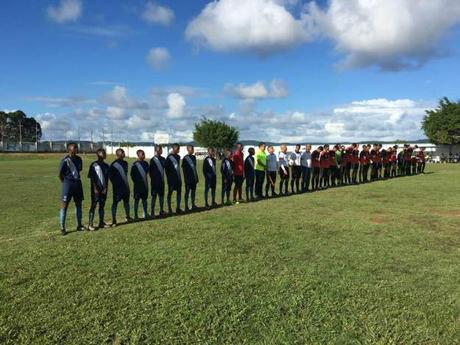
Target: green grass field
point(368, 264)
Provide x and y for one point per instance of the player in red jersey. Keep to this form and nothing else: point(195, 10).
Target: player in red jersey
point(316, 167)
point(421, 161)
point(364, 160)
point(354, 163)
point(324, 166)
point(238, 173)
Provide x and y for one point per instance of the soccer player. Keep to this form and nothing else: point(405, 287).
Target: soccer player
point(118, 174)
point(421, 160)
point(393, 160)
point(354, 163)
point(283, 169)
point(407, 159)
point(210, 177)
point(173, 175)
point(364, 159)
point(401, 162)
point(99, 179)
point(261, 167)
point(190, 177)
point(226, 170)
point(139, 173)
point(346, 162)
point(296, 169)
point(324, 167)
point(249, 174)
point(157, 180)
point(333, 169)
point(272, 168)
point(238, 173)
point(386, 163)
point(305, 162)
point(338, 160)
point(374, 162)
point(414, 160)
point(69, 174)
point(316, 167)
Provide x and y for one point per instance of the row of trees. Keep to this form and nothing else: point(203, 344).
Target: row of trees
point(17, 127)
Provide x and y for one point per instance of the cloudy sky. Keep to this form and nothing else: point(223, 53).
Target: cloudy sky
point(279, 70)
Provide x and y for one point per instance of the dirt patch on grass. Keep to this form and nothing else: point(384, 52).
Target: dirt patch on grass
point(450, 213)
point(379, 220)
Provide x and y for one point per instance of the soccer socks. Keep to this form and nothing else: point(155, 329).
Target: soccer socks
point(62, 217)
point(144, 207)
point(187, 194)
point(101, 214)
point(91, 215)
point(79, 215)
point(126, 206)
point(136, 207)
point(193, 195)
point(114, 212)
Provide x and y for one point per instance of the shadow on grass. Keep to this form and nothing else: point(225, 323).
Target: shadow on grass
point(183, 213)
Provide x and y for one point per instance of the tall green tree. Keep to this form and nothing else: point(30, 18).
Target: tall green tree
point(442, 125)
point(16, 125)
point(217, 134)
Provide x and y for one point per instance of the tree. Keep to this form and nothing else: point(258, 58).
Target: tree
point(217, 134)
point(15, 126)
point(442, 125)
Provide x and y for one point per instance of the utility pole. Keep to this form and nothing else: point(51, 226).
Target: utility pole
point(20, 135)
point(36, 136)
point(92, 147)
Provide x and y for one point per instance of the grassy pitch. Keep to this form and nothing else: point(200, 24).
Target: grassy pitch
point(368, 264)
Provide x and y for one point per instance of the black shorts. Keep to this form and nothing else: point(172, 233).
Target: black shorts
point(141, 195)
point(210, 183)
point(121, 197)
point(271, 175)
point(284, 175)
point(98, 198)
point(296, 172)
point(72, 190)
point(190, 186)
point(238, 179)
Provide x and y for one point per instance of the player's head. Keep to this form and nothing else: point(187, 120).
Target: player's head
point(140, 154)
point(283, 148)
point(158, 150)
point(120, 153)
point(262, 146)
point(101, 154)
point(271, 149)
point(211, 151)
point(72, 149)
point(320, 148)
point(251, 151)
point(326, 147)
point(342, 147)
point(239, 147)
point(308, 147)
point(190, 149)
point(297, 148)
point(228, 153)
point(175, 148)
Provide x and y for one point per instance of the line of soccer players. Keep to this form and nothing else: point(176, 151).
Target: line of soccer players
point(303, 171)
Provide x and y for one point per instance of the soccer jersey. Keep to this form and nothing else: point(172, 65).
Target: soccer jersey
point(172, 170)
point(238, 163)
point(70, 168)
point(305, 159)
point(324, 159)
point(295, 159)
point(189, 170)
point(139, 175)
point(209, 168)
point(98, 174)
point(261, 160)
point(315, 159)
point(249, 168)
point(226, 169)
point(364, 157)
point(118, 174)
point(157, 173)
point(272, 162)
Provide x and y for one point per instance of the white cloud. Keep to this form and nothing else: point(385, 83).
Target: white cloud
point(258, 26)
point(393, 34)
point(176, 105)
point(158, 58)
point(66, 11)
point(157, 14)
point(258, 90)
point(118, 97)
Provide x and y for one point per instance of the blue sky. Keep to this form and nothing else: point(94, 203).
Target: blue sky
point(278, 69)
